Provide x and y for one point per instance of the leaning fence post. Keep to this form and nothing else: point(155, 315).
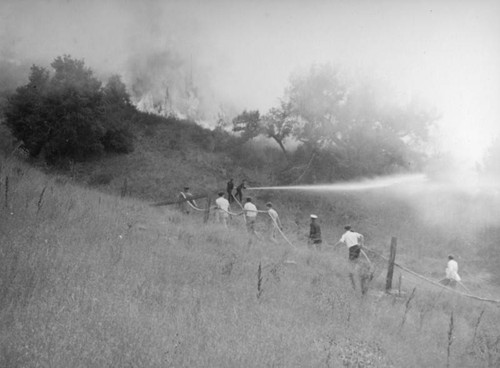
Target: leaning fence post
point(390, 269)
point(124, 188)
point(6, 192)
point(207, 212)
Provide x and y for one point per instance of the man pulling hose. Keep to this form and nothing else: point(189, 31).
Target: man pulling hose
point(354, 242)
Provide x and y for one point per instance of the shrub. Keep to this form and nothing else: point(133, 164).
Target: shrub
point(69, 115)
point(119, 140)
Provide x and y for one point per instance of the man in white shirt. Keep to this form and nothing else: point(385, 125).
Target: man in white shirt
point(274, 221)
point(452, 276)
point(250, 212)
point(222, 211)
point(354, 241)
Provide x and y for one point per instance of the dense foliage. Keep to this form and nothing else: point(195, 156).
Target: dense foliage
point(342, 127)
point(69, 114)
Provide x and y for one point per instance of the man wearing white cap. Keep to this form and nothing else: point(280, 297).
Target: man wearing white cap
point(314, 233)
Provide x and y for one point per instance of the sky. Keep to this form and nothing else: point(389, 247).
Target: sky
point(241, 53)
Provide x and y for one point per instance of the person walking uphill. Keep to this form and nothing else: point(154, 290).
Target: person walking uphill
point(314, 233)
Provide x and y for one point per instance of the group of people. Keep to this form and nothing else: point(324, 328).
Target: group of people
point(238, 195)
point(250, 211)
point(353, 240)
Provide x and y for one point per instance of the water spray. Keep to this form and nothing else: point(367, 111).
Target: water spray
point(360, 185)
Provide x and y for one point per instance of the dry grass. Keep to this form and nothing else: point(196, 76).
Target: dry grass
point(89, 279)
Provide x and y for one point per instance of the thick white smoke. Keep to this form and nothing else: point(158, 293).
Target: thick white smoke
point(153, 45)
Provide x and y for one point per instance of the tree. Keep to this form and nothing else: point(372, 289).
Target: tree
point(248, 123)
point(278, 125)
point(67, 115)
point(343, 126)
point(75, 105)
point(115, 94)
point(364, 134)
point(315, 98)
point(26, 113)
point(382, 136)
point(117, 112)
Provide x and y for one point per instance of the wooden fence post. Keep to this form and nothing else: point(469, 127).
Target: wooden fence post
point(390, 269)
point(6, 192)
point(124, 188)
point(207, 212)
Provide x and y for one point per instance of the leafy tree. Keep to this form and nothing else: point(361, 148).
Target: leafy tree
point(278, 125)
point(68, 115)
point(348, 118)
point(343, 127)
point(26, 113)
point(381, 137)
point(316, 98)
point(115, 94)
point(75, 106)
point(118, 111)
point(248, 123)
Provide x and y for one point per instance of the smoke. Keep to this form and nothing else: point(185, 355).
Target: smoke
point(155, 46)
point(194, 58)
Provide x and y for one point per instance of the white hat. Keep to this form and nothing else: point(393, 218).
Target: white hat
point(314, 216)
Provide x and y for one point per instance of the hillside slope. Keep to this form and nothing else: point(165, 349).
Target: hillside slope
point(169, 155)
point(89, 279)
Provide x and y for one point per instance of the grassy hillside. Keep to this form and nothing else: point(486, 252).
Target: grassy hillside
point(91, 279)
point(429, 225)
point(169, 155)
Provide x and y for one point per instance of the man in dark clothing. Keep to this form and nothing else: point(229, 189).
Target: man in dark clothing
point(230, 186)
point(239, 191)
point(314, 234)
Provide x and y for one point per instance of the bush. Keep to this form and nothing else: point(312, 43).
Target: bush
point(6, 140)
point(69, 115)
point(118, 140)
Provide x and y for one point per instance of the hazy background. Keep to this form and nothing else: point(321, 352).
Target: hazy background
point(232, 55)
